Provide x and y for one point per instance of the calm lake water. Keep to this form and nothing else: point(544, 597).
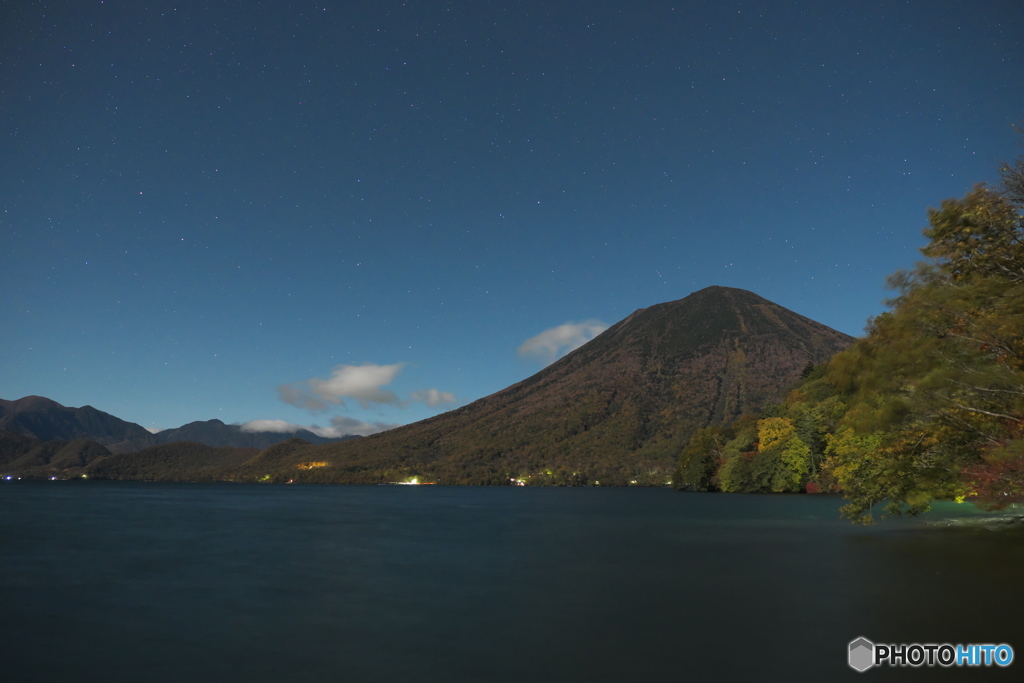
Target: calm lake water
point(147, 583)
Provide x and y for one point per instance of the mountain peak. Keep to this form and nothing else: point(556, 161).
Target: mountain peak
point(672, 331)
point(721, 289)
point(32, 402)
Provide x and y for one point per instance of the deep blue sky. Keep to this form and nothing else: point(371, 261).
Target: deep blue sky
point(250, 210)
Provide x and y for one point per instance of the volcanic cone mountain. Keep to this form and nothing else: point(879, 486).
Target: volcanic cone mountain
point(616, 411)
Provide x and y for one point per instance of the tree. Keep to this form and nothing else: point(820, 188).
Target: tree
point(938, 383)
point(699, 461)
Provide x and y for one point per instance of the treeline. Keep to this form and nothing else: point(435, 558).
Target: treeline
point(182, 461)
point(928, 405)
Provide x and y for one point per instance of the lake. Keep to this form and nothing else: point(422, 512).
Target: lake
point(147, 583)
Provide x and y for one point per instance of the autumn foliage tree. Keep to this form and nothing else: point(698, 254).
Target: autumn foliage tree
point(930, 403)
point(938, 383)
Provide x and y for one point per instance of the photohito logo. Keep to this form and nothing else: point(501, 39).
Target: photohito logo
point(863, 654)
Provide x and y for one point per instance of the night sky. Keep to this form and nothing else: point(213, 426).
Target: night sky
point(360, 214)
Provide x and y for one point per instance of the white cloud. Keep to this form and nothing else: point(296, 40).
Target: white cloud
point(433, 397)
point(271, 426)
point(558, 341)
point(340, 426)
point(360, 382)
point(298, 395)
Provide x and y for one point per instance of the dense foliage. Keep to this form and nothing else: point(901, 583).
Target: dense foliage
point(928, 405)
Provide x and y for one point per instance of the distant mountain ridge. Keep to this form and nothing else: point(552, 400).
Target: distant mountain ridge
point(216, 433)
point(44, 419)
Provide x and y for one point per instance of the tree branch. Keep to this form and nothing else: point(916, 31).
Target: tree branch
point(969, 409)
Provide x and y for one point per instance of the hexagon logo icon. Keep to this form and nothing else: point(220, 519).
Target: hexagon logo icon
point(862, 654)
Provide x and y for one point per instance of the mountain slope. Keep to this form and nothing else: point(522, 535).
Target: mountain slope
point(178, 461)
point(27, 457)
point(616, 411)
